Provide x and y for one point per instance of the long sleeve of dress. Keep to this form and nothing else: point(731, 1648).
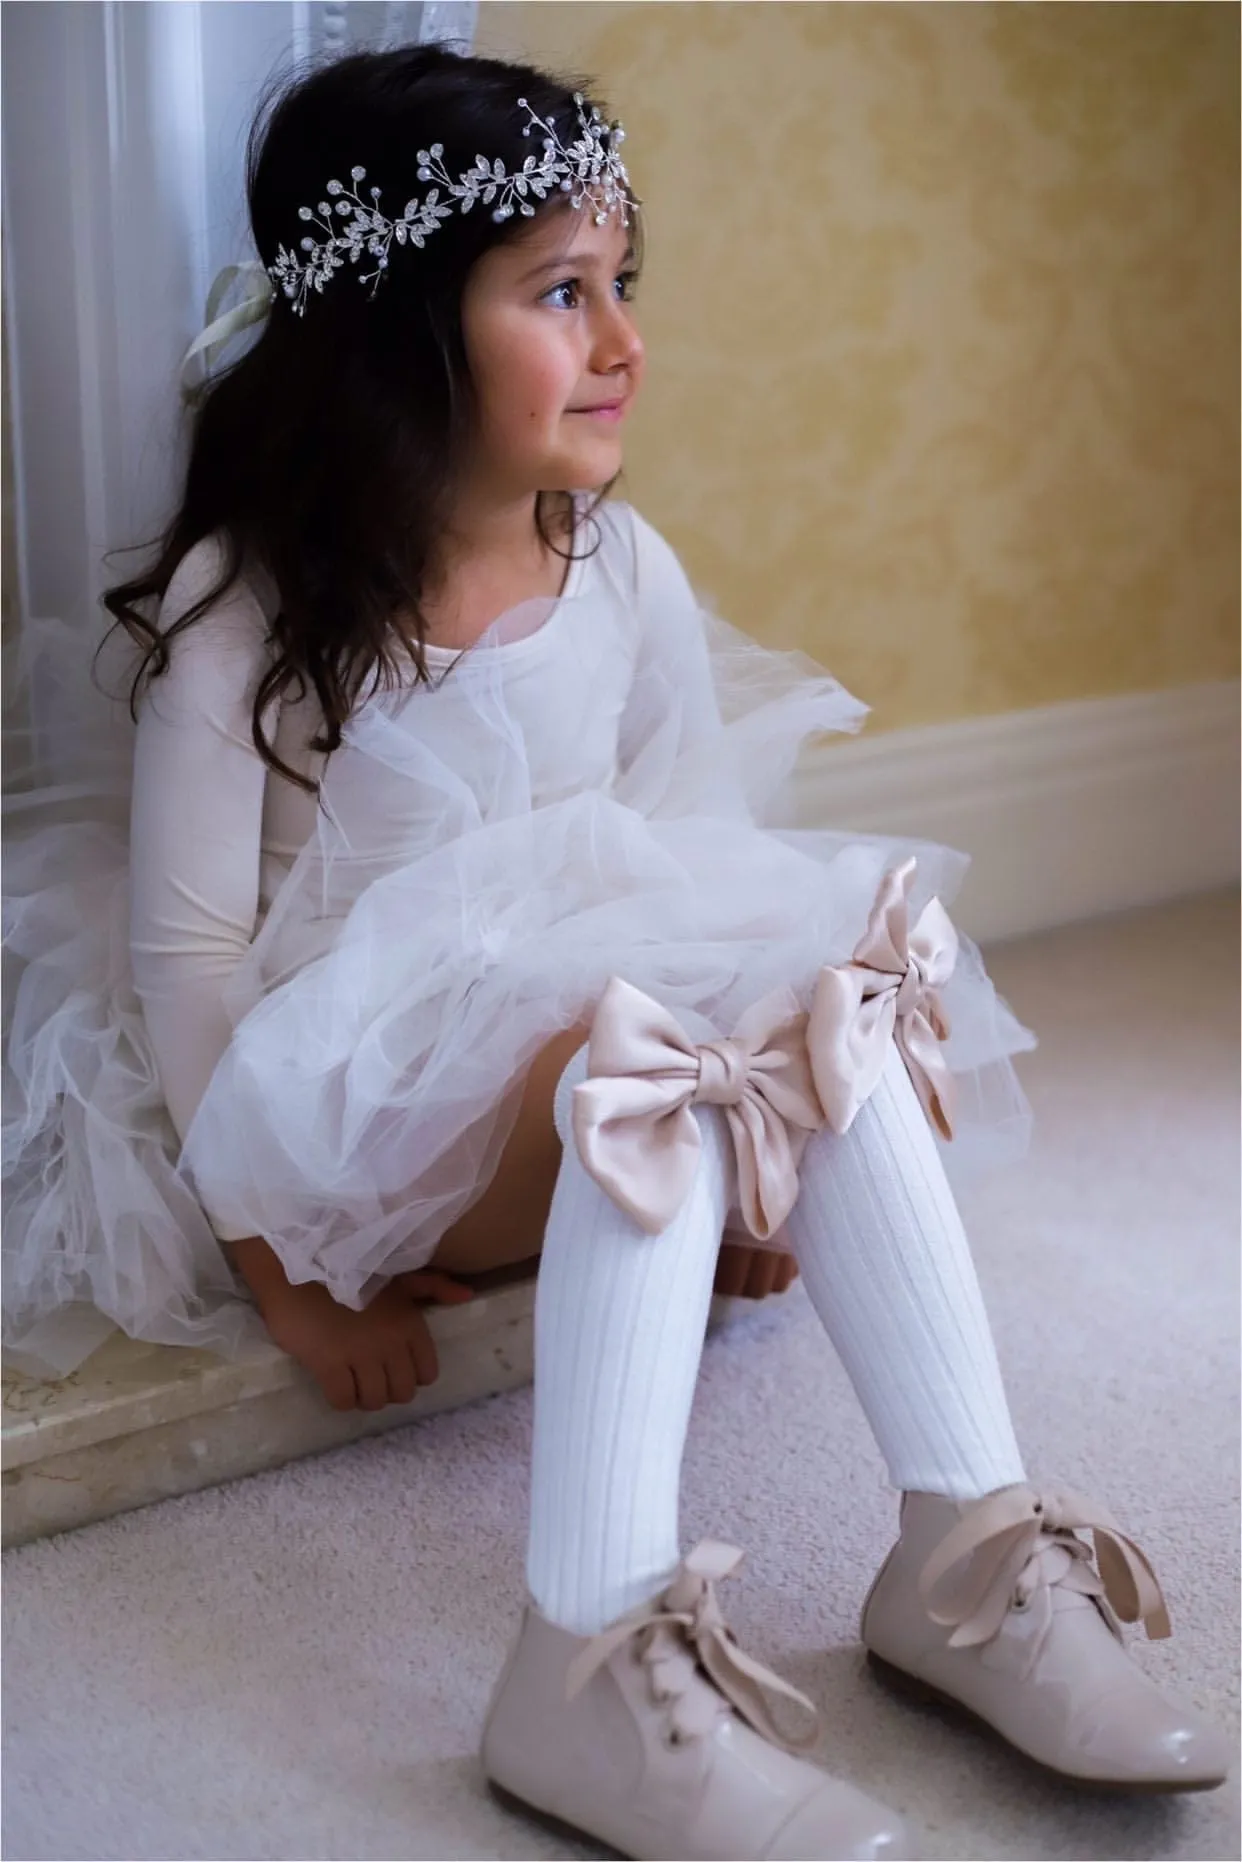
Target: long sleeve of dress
point(671, 732)
point(195, 834)
point(714, 721)
point(674, 638)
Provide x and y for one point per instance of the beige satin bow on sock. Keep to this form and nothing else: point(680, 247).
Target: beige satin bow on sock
point(886, 991)
point(633, 1125)
point(781, 1076)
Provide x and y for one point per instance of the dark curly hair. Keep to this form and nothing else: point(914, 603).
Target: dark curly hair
point(330, 453)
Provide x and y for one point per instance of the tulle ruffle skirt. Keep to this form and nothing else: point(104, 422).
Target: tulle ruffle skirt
point(404, 977)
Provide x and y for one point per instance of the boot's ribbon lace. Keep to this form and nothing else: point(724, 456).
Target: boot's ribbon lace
point(683, 1629)
point(1014, 1543)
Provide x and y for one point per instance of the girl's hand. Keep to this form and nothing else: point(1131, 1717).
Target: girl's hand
point(363, 1360)
point(753, 1273)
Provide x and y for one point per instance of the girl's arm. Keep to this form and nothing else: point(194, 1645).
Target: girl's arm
point(195, 832)
point(674, 643)
point(715, 722)
point(673, 748)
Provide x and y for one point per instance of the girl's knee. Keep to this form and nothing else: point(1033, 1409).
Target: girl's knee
point(573, 1074)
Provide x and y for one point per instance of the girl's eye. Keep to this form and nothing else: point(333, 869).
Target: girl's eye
point(628, 279)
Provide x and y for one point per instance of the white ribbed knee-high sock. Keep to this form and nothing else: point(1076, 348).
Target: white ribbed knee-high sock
point(620, 1318)
point(887, 1266)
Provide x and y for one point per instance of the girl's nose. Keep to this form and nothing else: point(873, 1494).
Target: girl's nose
point(618, 342)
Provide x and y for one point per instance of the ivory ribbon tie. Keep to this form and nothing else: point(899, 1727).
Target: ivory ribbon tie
point(887, 990)
point(1003, 1548)
point(256, 298)
point(690, 1605)
point(632, 1118)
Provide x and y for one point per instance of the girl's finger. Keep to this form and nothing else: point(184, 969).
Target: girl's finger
point(372, 1383)
point(402, 1376)
point(731, 1270)
point(762, 1274)
point(422, 1347)
point(431, 1284)
point(337, 1383)
point(786, 1273)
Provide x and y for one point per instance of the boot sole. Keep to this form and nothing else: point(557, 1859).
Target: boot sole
point(925, 1694)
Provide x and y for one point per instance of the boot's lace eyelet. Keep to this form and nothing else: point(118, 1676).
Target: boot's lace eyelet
point(671, 1737)
point(1019, 1603)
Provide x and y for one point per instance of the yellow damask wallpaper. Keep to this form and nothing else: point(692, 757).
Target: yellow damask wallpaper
point(941, 312)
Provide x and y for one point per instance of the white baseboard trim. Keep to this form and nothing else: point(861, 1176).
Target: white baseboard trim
point(1067, 811)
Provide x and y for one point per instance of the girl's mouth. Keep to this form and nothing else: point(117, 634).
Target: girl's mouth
point(613, 412)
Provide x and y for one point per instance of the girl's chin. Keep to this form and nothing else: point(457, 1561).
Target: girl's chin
point(601, 440)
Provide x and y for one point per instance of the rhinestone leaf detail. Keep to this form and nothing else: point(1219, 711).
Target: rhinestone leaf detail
point(586, 170)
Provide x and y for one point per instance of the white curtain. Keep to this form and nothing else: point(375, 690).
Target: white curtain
point(124, 126)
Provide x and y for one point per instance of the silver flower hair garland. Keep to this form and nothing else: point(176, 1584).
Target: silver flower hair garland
point(597, 173)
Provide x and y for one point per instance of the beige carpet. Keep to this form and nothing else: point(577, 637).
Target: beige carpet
point(295, 1665)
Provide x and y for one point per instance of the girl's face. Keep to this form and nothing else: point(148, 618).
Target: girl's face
point(549, 331)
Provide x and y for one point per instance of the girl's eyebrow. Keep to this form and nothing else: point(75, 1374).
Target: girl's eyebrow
point(571, 258)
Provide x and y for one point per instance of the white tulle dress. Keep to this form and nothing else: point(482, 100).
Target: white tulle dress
point(313, 1024)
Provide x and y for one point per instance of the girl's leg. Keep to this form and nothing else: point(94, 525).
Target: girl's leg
point(620, 1318)
point(507, 1224)
point(500, 1237)
point(887, 1267)
point(379, 1355)
point(618, 1707)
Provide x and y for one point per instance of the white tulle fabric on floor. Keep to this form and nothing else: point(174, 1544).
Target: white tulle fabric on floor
point(600, 786)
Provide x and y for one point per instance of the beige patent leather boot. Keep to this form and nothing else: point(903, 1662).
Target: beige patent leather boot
point(655, 1736)
point(995, 1605)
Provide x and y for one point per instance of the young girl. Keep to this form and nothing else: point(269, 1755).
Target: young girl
point(464, 927)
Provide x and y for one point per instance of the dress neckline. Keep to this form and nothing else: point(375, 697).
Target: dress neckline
point(492, 640)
